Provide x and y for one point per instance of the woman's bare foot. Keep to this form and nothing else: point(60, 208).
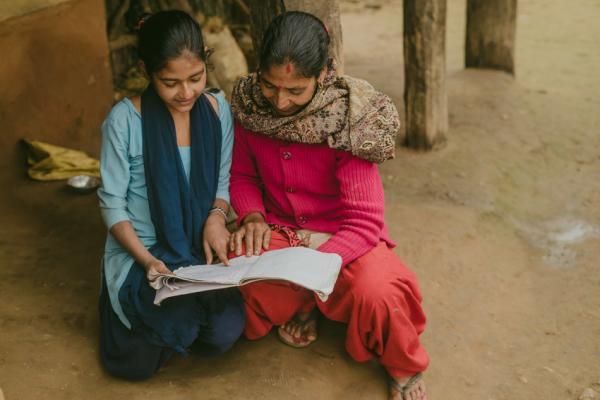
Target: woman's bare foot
point(301, 330)
point(409, 388)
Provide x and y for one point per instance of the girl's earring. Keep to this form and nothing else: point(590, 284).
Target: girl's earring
point(142, 69)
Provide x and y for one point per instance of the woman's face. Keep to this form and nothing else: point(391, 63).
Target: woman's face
point(287, 91)
point(180, 82)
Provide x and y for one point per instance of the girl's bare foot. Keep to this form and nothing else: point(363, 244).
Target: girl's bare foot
point(300, 331)
point(408, 388)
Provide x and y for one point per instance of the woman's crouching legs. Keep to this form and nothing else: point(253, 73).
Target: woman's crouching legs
point(270, 304)
point(379, 299)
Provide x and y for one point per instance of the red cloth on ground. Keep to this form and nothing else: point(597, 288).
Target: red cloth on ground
point(376, 295)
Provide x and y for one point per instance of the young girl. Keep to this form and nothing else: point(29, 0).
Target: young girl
point(305, 143)
point(165, 173)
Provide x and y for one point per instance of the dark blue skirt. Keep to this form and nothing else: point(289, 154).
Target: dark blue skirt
point(214, 323)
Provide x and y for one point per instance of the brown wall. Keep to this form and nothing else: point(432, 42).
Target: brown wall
point(55, 82)
point(14, 8)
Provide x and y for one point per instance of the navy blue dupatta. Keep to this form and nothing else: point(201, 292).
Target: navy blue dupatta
point(178, 209)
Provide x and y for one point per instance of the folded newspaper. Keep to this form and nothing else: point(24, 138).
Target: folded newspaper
point(305, 267)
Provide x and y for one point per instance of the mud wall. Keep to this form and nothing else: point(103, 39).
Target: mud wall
point(55, 82)
point(16, 8)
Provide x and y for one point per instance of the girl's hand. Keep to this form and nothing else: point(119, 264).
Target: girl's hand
point(256, 234)
point(155, 267)
point(216, 237)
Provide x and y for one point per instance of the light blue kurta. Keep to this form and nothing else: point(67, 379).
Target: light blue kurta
point(123, 195)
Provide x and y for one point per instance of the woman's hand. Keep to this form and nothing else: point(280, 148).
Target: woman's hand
point(216, 237)
point(255, 233)
point(155, 267)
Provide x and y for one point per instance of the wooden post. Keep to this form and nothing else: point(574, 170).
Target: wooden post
point(425, 73)
point(263, 11)
point(490, 37)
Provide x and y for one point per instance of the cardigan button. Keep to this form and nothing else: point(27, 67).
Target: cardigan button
point(290, 189)
point(286, 155)
point(302, 220)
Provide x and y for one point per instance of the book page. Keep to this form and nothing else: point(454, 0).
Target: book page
point(183, 287)
point(306, 267)
point(218, 273)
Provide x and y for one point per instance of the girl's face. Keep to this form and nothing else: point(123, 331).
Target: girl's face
point(287, 91)
point(180, 82)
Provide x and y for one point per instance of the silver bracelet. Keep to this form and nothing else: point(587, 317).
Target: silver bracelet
point(218, 209)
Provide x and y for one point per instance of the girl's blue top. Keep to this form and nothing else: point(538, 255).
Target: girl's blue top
point(123, 195)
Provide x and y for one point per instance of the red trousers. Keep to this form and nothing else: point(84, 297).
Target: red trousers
point(376, 295)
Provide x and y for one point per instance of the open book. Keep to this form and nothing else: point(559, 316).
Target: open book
point(300, 265)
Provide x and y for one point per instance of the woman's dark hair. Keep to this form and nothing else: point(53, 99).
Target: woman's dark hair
point(167, 35)
point(299, 38)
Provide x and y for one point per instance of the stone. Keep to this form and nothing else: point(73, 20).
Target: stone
point(588, 394)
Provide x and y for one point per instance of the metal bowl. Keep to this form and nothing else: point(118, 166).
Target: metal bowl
point(83, 183)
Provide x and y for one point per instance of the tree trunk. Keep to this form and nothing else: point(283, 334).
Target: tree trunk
point(263, 12)
point(490, 38)
point(425, 73)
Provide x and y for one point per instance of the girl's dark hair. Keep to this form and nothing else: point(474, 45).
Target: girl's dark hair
point(167, 35)
point(299, 38)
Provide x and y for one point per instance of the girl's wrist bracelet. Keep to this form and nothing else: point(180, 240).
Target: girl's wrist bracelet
point(219, 210)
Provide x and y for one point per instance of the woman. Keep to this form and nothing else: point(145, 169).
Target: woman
point(303, 172)
point(165, 170)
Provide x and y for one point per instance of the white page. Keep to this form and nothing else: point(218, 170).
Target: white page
point(184, 287)
point(309, 268)
point(306, 267)
point(218, 272)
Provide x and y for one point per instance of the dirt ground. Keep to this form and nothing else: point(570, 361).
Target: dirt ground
point(502, 227)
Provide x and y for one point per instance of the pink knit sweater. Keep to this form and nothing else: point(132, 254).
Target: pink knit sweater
point(309, 187)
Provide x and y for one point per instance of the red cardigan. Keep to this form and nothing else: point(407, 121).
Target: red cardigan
point(310, 187)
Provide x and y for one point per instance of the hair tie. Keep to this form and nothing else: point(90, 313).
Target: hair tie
point(142, 20)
